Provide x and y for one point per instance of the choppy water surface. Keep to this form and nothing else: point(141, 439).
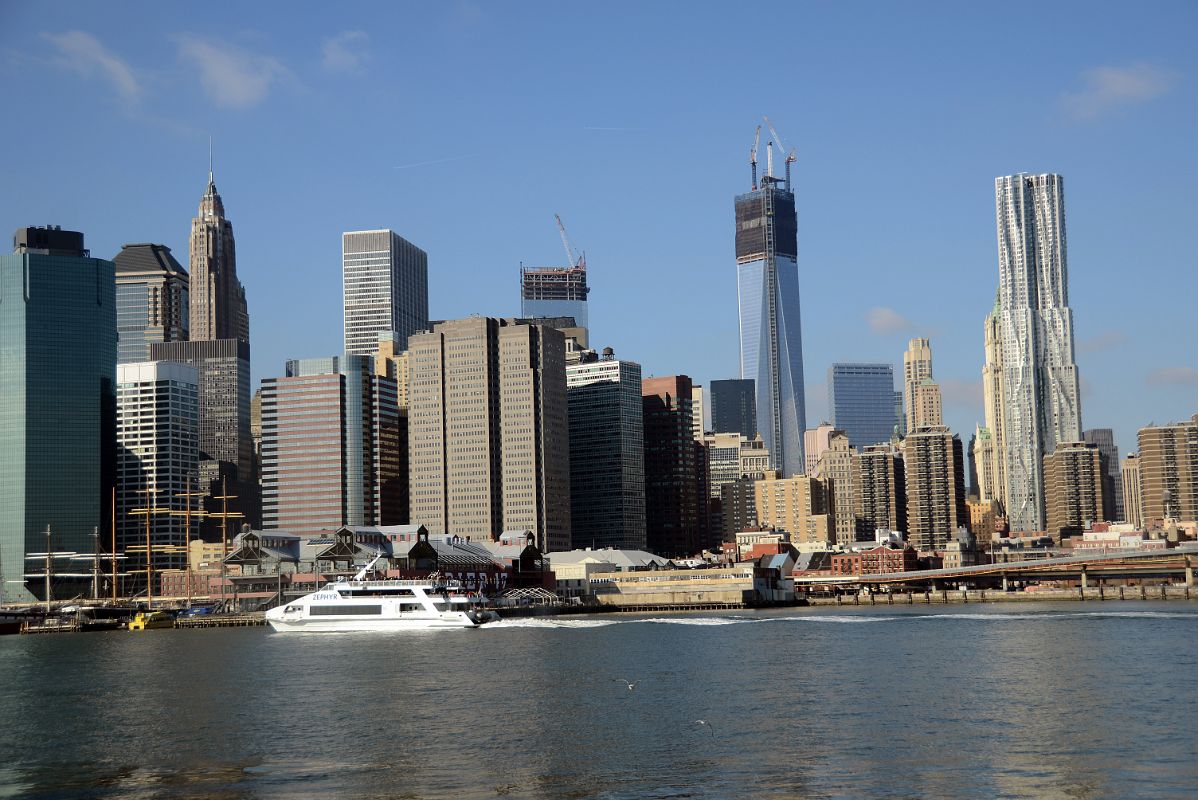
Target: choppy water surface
point(1069, 700)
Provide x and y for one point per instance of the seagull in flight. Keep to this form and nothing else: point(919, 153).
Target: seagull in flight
point(630, 684)
point(706, 724)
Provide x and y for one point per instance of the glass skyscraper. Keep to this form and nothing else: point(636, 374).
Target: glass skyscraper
point(863, 402)
point(734, 407)
point(771, 344)
point(57, 406)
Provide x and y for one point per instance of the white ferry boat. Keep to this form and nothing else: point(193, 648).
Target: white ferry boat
point(381, 605)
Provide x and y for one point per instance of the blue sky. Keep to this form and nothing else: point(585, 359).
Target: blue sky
point(466, 126)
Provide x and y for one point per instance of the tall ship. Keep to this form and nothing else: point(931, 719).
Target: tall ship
point(359, 604)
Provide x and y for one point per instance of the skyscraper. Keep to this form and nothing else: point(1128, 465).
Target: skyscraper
point(1112, 487)
point(992, 458)
point(385, 286)
point(158, 414)
point(1168, 471)
point(217, 298)
point(836, 468)
point(861, 398)
point(917, 367)
point(607, 454)
point(1073, 488)
point(935, 476)
point(555, 292)
point(881, 489)
point(1041, 402)
point(489, 430)
point(1130, 469)
point(674, 507)
point(771, 342)
point(331, 447)
point(734, 406)
point(57, 403)
point(152, 302)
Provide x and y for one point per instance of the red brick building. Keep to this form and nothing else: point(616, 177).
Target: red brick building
point(875, 561)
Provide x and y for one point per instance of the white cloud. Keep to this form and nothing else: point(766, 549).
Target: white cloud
point(1103, 341)
point(83, 53)
point(1173, 376)
point(230, 76)
point(887, 320)
point(346, 52)
point(1106, 89)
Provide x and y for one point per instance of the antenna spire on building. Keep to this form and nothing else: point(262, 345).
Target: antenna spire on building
point(210, 158)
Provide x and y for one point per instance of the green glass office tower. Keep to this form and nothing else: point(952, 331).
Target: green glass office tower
point(57, 407)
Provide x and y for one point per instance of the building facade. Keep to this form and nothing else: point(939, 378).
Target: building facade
point(674, 506)
point(158, 458)
point(607, 454)
point(836, 468)
point(861, 399)
point(880, 480)
point(217, 299)
point(815, 442)
point(1074, 475)
point(799, 505)
point(477, 386)
point(1112, 487)
point(934, 469)
point(57, 404)
point(555, 292)
point(731, 457)
point(385, 289)
point(992, 458)
point(734, 406)
point(917, 368)
point(333, 447)
point(1168, 463)
point(152, 302)
point(1130, 473)
point(771, 342)
point(1041, 400)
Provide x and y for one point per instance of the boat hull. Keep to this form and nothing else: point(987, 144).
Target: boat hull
point(343, 625)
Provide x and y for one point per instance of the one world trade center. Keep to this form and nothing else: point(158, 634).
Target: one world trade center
point(771, 343)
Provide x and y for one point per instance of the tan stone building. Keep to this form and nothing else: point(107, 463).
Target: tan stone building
point(731, 456)
point(935, 480)
point(488, 431)
point(926, 407)
point(984, 518)
point(391, 361)
point(1130, 469)
point(881, 491)
point(799, 505)
point(1169, 471)
point(697, 412)
point(836, 466)
point(917, 368)
point(995, 486)
point(815, 442)
point(1072, 488)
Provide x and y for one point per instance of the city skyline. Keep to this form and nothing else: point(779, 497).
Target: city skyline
point(413, 196)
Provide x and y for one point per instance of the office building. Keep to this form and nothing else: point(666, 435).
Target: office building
point(732, 457)
point(1168, 463)
point(217, 299)
point(226, 442)
point(1112, 487)
point(57, 405)
point(1041, 402)
point(734, 406)
point(1130, 473)
point(385, 289)
point(917, 368)
point(991, 455)
point(555, 292)
point(333, 447)
point(815, 442)
point(697, 426)
point(934, 469)
point(489, 430)
point(391, 361)
point(925, 408)
point(771, 342)
point(862, 401)
point(1073, 488)
point(798, 505)
point(607, 454)
point(880, 480)
point(158, 457)
point(152, 302)
point(835, 467)
point(674, 507)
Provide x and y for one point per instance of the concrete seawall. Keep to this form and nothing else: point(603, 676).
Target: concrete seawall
point(1096, 594)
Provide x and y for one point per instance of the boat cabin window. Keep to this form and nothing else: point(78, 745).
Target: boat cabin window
point(405, 607)
point(343, 610)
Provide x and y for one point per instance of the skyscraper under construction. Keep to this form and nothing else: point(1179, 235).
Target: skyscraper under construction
point(548, 292)
point(771, 343)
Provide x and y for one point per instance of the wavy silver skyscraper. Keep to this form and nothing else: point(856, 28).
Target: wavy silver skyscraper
point(771, 344)
point(1041, 403)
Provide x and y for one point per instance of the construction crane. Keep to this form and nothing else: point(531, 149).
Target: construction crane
point(575, 261)
point(790, 157)
point(753, 156)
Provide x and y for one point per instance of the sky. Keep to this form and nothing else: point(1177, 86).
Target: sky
point(466, 126)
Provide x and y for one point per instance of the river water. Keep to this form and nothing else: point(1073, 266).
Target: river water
point(1039, 700)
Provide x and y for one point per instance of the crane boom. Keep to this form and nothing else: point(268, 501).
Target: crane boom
point(753, 155)
point(575, 261)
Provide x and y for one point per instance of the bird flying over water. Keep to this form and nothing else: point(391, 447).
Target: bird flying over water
point(630, 684)
point(707, 725)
